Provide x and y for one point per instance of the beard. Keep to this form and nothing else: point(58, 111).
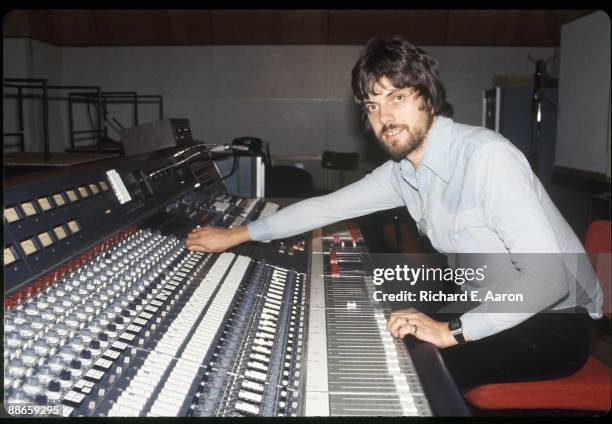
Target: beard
point(401, 145)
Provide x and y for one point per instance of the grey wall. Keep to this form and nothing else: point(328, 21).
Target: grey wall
point(296, 97)
point(26, 58)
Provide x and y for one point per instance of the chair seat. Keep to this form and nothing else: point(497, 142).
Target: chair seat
point(586, 390)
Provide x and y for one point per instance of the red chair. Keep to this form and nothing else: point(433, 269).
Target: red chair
point(589, 389)
point(598, 245)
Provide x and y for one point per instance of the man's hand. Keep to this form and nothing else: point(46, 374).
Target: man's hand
point(419, 325)
point(216, 239)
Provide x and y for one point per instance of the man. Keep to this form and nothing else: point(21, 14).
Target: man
point(470, 191)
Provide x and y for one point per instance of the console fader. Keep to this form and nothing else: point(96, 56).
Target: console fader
point(107, 314)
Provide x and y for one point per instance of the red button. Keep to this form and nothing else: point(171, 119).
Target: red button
point(8, 302)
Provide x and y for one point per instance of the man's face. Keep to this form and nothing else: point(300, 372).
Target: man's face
point(398, 119)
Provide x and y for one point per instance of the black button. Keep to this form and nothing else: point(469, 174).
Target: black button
point(41, 399)
point(86, 354)
point(75, 364)
point(95, 344)
point(65, 375)
point(54, 386)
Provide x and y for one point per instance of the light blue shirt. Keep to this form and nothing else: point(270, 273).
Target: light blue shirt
point(479, 195)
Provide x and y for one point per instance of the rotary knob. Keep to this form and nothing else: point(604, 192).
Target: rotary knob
point(65, 378)
point(72, 321)
point(51, 298)
point(94, 347)
point(67, 302)
point(62, 329)
point(86, 335)
point(44, 374)
point(53, 337)
point(111, 330)
point(59, 309)
point(9, 325)
point(54, 391)
point(18, 396)
point(119, 322)
point(77, 344)
point(32, 386)
point(95, 326)
point(81, 314)
point(41, 347)
point(16, 368)
point(29, 357)
point(104, 319)
point(38, 323)
point(20, 317)
point(47, 314)
point(85, 357)
point(66, 354)
point(88, 308)
point(31, 309)
point(8, 382)
point(26, 331)
point(76, 368)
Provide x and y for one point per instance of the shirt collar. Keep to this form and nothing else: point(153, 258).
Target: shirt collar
point(437, 149)
point(436, 155)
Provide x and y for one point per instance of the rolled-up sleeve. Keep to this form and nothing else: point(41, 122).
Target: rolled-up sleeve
point(372, 193)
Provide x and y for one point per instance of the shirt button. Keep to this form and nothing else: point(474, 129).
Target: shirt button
point(456, 236)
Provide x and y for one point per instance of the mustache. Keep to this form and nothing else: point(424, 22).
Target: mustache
point(386, 128)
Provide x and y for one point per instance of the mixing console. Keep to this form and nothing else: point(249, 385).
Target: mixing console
point(110, 315)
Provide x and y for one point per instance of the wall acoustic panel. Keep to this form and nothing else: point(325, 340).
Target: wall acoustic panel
point(583, 129)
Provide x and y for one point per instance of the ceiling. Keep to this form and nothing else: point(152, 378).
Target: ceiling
point(126, 27)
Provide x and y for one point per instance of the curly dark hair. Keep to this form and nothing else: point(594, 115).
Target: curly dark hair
point(404, 65)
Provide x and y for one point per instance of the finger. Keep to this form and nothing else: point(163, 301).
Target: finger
point(409, 330)
point(393, 324)
point(197, 248)
point(396, 324)
point(394, 318)
point(192, 243)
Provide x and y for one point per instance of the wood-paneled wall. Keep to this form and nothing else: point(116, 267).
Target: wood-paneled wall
point(125, 27)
